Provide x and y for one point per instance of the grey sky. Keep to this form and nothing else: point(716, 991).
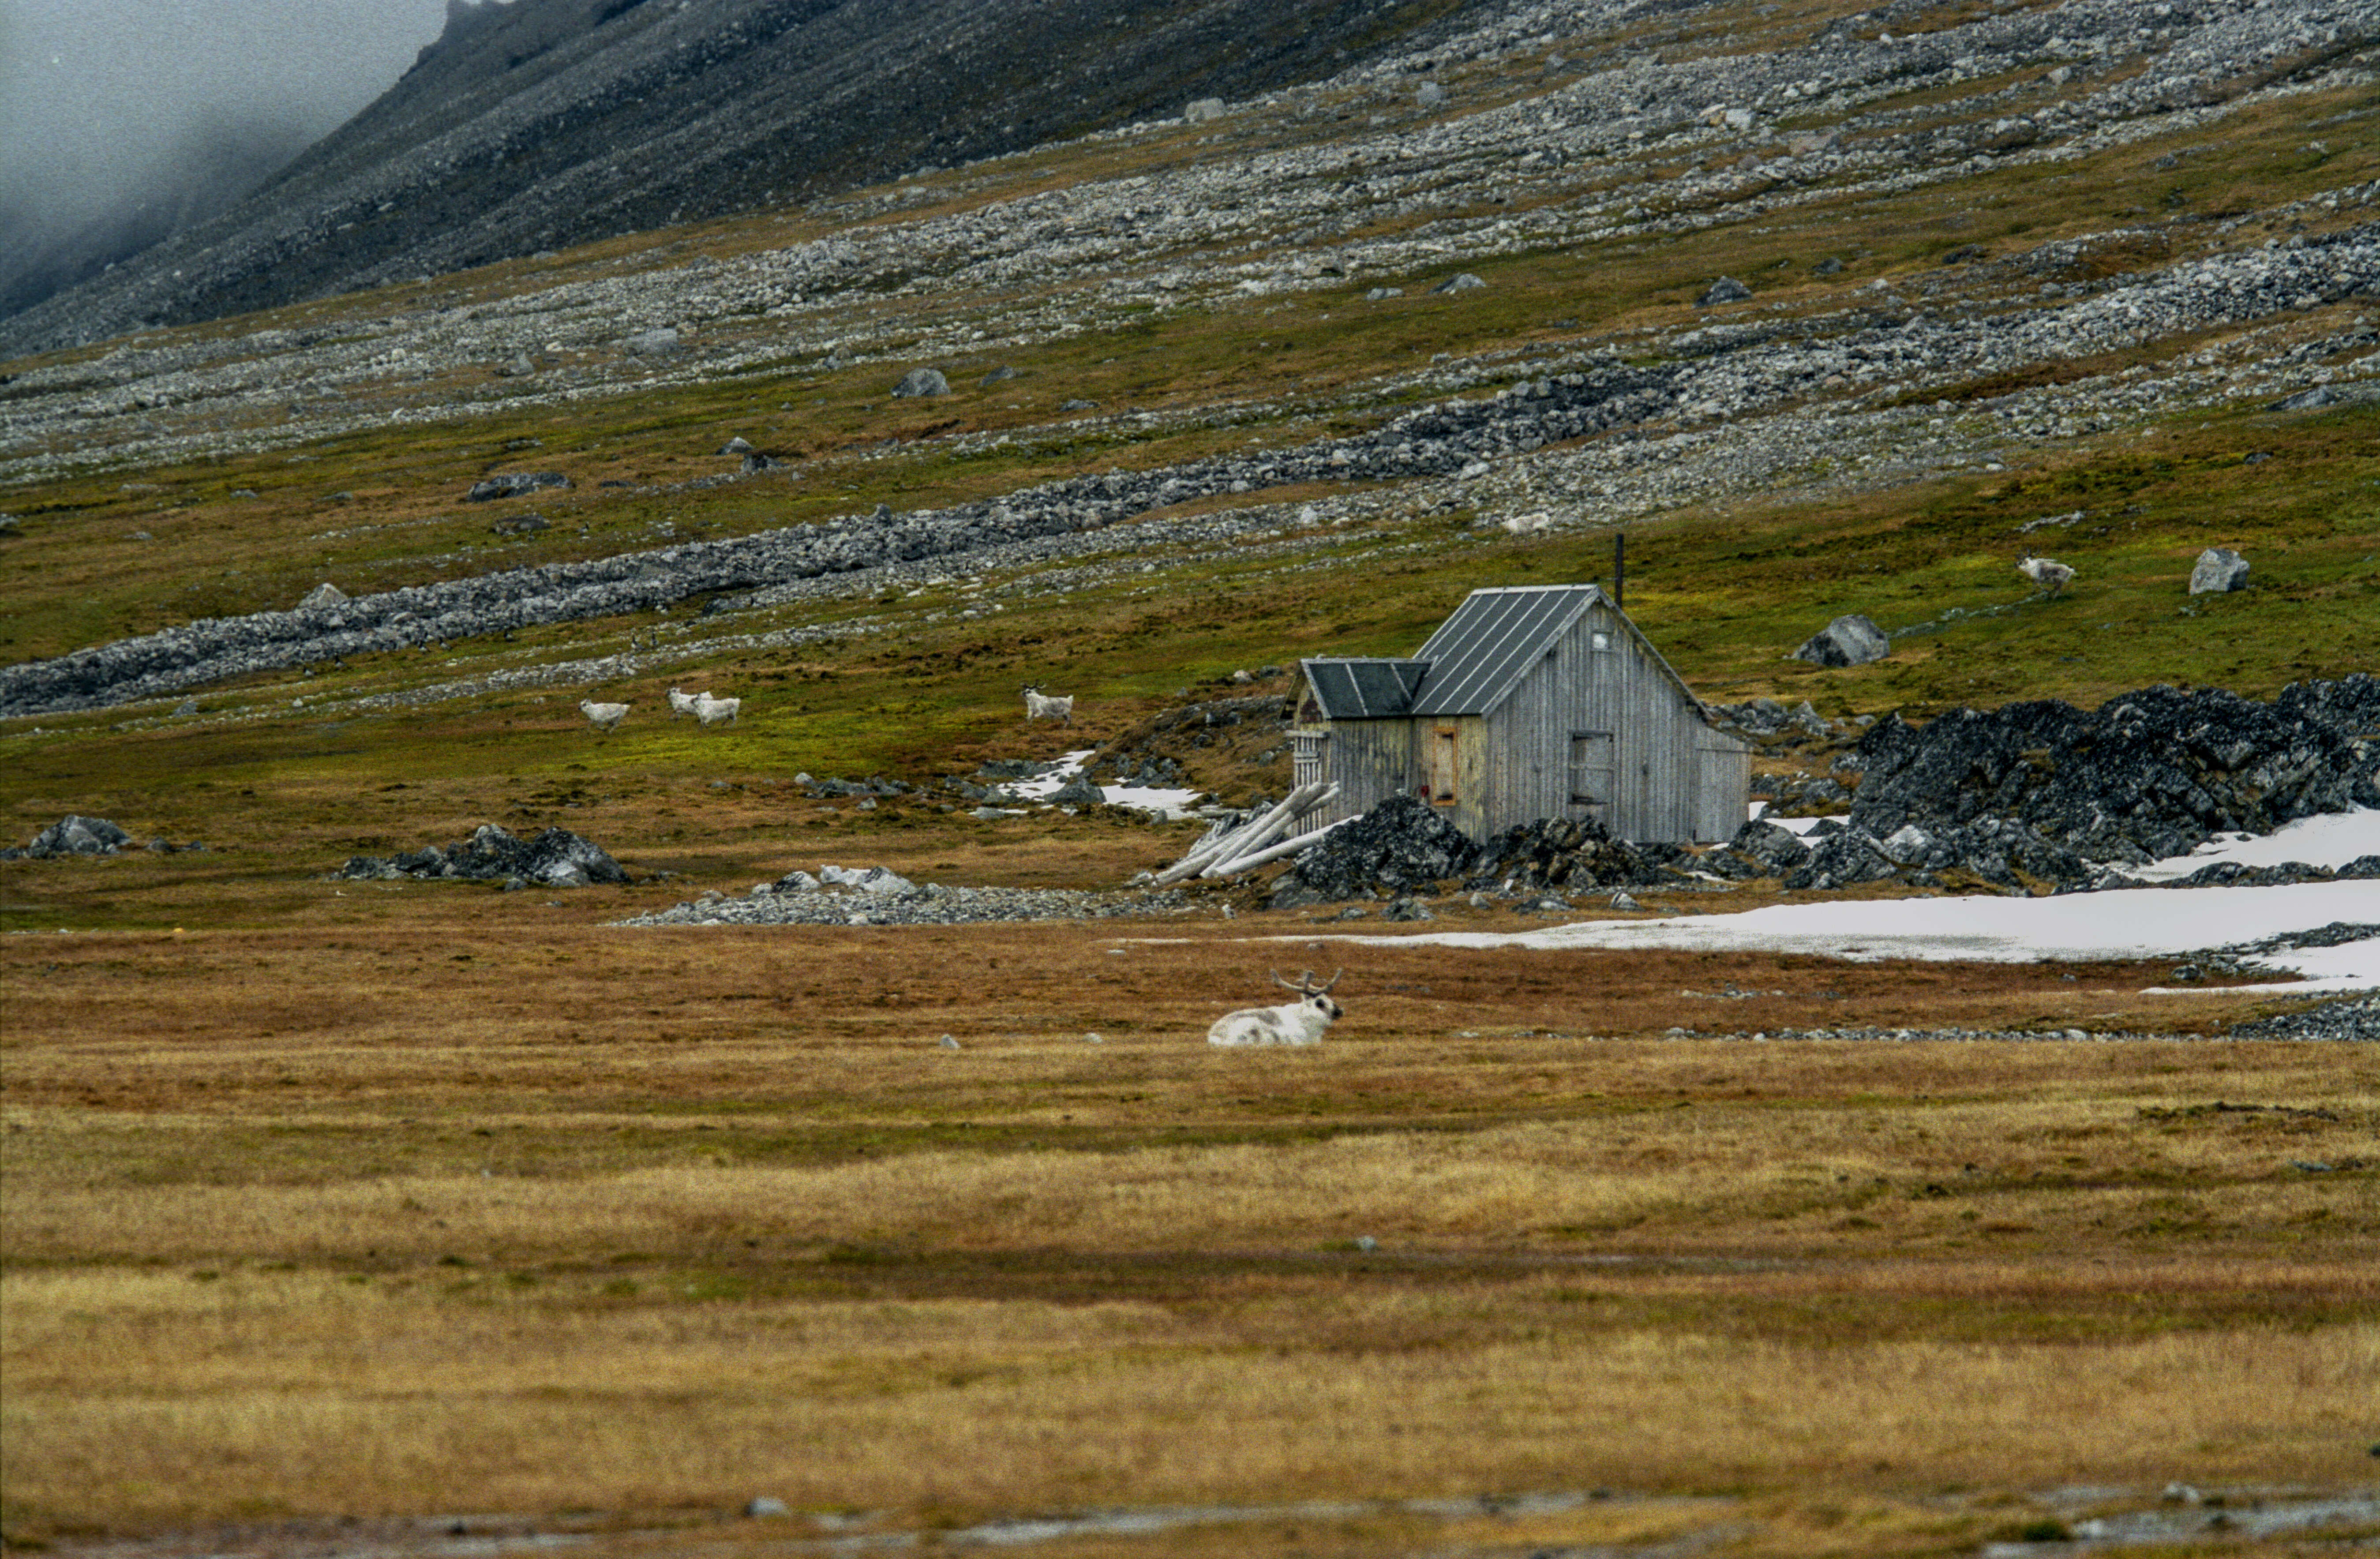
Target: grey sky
point(102, 101)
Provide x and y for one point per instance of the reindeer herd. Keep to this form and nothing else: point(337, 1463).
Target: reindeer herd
point(713, 711)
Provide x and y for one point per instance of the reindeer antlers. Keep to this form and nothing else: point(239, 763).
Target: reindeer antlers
point(1306, 986)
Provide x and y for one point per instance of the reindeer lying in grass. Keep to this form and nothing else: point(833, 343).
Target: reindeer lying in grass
point(1301, 1022)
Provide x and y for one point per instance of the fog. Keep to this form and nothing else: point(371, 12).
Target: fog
point(122, 120)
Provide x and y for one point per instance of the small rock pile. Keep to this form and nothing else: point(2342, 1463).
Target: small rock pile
point(1406, 845)
point(875, 785)
point(1771, 723)
point(556, 858)
point(1399, 846)
point(75, 835)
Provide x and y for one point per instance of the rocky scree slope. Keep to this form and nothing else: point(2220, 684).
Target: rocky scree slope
point(1574, 159)
point(1443, 439)
point(539, 124)
point(1593, 429)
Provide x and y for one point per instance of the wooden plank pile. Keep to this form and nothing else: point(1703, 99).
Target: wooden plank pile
point(1228, 850)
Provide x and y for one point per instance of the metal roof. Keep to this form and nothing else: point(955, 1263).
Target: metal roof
point(1480, 653)
point(1350, 688)
point(1473, 660)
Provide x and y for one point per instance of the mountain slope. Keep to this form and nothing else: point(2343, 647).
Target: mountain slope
point(1934, 287)
point(546, 122)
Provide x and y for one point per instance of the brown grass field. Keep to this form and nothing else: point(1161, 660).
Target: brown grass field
point(405, 1221)
point(403, 1207)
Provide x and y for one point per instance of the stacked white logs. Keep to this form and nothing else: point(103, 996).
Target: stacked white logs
point(1227, 852)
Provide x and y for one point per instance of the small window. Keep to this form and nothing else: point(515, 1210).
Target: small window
point(1441, 767)
point(1600, 640)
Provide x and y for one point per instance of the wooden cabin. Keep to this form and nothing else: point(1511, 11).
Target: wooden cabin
point(1533, 701)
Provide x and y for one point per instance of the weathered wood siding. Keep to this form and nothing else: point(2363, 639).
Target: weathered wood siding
point(1672, 777)
point(1371, 761)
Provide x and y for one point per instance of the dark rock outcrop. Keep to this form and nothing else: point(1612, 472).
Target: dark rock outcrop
point(1399, 846)
point(1404, 845)
point(556, 858)
point(1573, 854)
point(2149, 774)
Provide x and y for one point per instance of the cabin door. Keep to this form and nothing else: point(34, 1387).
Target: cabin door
point(1594, 775)
point(1441, 766)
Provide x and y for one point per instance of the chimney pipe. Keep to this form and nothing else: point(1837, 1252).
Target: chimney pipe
point(1620, 569)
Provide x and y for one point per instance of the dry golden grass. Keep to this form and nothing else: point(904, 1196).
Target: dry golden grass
point(185, 1399)
point(402, 1209)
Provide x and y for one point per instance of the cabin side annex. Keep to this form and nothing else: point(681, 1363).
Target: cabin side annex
point(1535, 701)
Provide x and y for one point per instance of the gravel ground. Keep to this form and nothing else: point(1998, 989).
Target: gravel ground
point(932, 905)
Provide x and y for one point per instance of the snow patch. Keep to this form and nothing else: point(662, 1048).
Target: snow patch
point(2331, 839)
point(2125, 923)
point(1168, 804)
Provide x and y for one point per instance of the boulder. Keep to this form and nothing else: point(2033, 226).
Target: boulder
point(1843, 859)
point(654, 343)
point(2218, 569)
point(1203, 109)
point(736, 445)
point(1773, 850)
point(1080, 791)
point(75, 835)
point(923, 382)
point(1462, 282)
point(1726, 290)
point(999, 375)
point(1432, 95)
point(323, 594)
point(2308, 400)
point(868, 880)
point(1848, 640)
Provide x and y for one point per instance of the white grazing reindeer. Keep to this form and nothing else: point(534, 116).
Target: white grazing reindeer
point(711, 710)
point(1301, 1022)
point(604, 715)
point(2051, 577)
point(684, 704)
point(1040, 707)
